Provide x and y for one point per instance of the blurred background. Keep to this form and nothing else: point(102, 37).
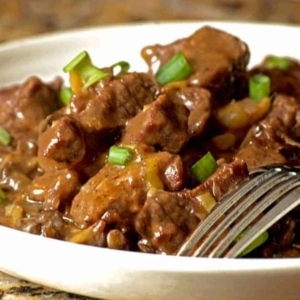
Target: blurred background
point(23, 18)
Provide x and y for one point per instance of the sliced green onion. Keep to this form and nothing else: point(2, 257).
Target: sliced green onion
point(65, 95)
point(5, 137)
point(84, 67)
point(81, 57)
point(277, 62)
point(176, 69)
point(124, 66)
point(204, 167)
point(91, 75)
point(119, 155)
point(2, 196)
point(261, 239)
point(259, 86)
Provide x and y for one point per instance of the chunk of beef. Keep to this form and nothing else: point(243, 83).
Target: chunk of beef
point(23, 107)
point(48, 223)
point(283, 81)
point(164, 222)
point(62, 144)
point(54, 189)
point(227, 177)
point(166, 168)
point(167, 218)
point(19, 167)
point(78, 135)
point(162, 124)
point(215, 56)
point(111, 105)
point(199, 103)
point(263, 145)
point(116, 193)
point(290, 119)
point(271, 141)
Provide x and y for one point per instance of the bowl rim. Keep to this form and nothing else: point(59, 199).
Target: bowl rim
point(143, 260)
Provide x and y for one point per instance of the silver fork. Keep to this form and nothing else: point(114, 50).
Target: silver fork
point(247, 212)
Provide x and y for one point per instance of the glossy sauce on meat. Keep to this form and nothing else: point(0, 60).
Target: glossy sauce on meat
point(55, 171)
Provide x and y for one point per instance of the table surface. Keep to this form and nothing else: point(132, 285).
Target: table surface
point(24, 18)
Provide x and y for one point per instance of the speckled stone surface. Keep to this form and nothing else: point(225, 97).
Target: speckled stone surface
point(12, 288)
point(24, 18)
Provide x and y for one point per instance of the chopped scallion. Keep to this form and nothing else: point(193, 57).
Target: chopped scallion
point(84, 67)
point(119, 155)
point(123, 67)
point(91, 75)
point(65, 95)
point(259, 87)
point(176, 69)
point(81, 57)
point(277, 62)
point(5, 137)
point(204, 167)
point(261, 239)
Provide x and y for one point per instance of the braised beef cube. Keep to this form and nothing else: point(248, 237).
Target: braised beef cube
point(271, 140)
point(112, 191)
point(226, 178)
point(78, 135)
point(52, 224)
point(284, 81)
point(164, 222)
point(48, 223)
point(109, 107)
point(23, 107)
point(19, 167)
point(214, 55)
point(162, 124)
point(54, 189)
point(167, 168)
point(291, 117)
point(167, 218)
point(199, 103)
point(62, 145)
point(262, 145)
point(116, 193)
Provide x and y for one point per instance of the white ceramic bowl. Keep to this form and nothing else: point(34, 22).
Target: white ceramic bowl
point(116, 275)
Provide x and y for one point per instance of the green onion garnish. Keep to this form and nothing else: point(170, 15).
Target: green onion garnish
point(2, 196)
point(262, 238)
point(204, 167)
point(5, 137)
point(84, 67)
point(119, 155)
point(176, 69)
point(65, 95)
point(277, 62)
point(259, 87)
point(122, 65)
point(81, 57)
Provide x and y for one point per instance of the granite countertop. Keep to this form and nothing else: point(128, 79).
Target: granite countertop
point(23, 18)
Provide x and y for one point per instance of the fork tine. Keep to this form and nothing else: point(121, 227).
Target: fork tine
point(223, 207)
point(259, 207)
point(290, 201)
point(233, 215)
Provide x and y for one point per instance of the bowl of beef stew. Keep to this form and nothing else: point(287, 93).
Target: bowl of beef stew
point(116, 142)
